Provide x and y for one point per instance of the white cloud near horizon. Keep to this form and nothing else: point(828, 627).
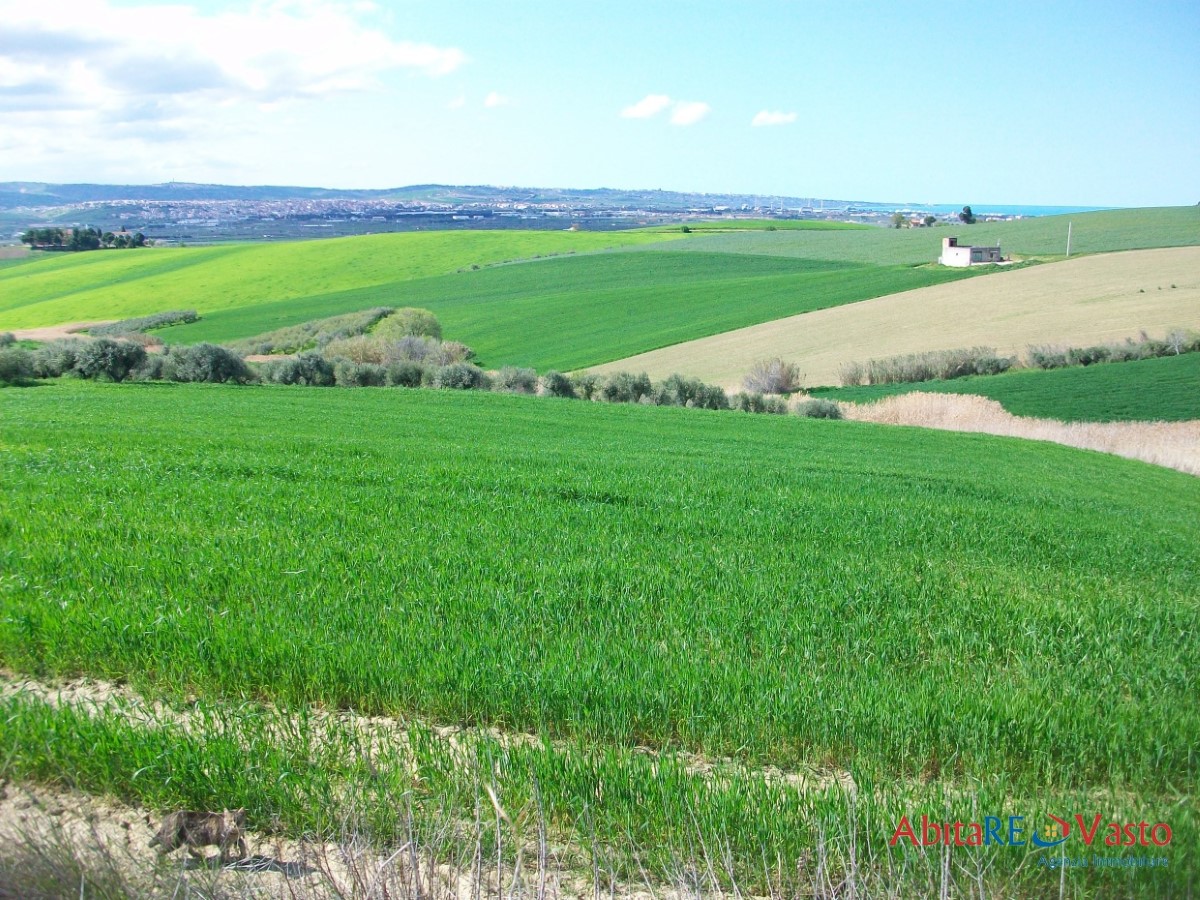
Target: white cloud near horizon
point(646, 108)
point(773, 117)
point(689, 112)
point(495, 99)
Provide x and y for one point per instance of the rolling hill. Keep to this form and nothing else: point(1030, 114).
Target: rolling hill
point(1080, 301)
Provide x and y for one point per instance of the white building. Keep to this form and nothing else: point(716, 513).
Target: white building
point(961, 257)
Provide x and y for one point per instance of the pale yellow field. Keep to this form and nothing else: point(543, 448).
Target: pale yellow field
point(1175, 445)
point(1088, 300)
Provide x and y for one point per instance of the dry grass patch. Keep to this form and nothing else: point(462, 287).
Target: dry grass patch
point(1175, 445)
point(1089, 300)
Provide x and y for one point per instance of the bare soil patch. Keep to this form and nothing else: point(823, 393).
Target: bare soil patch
point(57, 332)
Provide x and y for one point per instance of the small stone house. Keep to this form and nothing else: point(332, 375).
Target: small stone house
point(954, 254)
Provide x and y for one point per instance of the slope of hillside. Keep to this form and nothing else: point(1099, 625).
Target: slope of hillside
point(1079, 301)
point(119, 284)
point(1095, 232)
point(794, 595)
point(573, 312)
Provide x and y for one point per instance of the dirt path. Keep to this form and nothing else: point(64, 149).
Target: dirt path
point(56, 332)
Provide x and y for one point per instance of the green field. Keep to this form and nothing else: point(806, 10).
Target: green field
point(950, 619)
point(580, 311)
point(1045, 237)
point(82, 287)
point(1165, 389)
point(653, 290)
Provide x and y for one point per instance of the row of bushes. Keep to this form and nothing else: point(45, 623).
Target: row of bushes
point(1175, 343)
point(382, 350)
point(929, 366)
point(108, 360)
point(104, 359)
point(145, 323)
point(384, 321)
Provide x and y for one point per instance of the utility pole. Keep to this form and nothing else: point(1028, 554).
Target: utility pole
point(1068, 240)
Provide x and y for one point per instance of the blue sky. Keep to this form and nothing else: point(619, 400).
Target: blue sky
point(1037, 103)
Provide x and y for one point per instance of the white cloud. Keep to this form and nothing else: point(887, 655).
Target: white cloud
point(773, 117)
point(689, 112)
point(115, 82)
point(646, 108)
point(493, 100)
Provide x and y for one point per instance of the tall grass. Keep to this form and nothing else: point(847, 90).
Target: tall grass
point(490, 802)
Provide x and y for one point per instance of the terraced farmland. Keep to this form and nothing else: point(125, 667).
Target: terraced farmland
point(959, 624)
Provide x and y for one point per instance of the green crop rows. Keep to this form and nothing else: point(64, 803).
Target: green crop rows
point(673, 577)
point(1164, 389)
point(575, 312)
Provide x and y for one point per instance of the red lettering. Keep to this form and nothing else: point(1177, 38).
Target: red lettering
point(926, 827)
point(975, 835)
point(1087, 835)
point(903, 830)
point(1114, 834)
point(1131, 840)
point(958, 838)
point(1154, 834)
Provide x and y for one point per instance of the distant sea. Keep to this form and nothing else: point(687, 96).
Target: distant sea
point(985, 209)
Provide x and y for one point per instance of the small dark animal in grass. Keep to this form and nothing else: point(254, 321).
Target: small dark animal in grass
point(202, 829)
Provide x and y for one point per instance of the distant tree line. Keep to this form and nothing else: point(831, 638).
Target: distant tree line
point(79, 239)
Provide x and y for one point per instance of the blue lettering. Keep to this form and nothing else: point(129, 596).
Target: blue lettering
point(991, 826)
point(1014, 832)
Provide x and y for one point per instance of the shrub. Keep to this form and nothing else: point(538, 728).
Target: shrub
point(404, 374)
point(308, 368)
point(933, 364)
point(753, 402)
point(461, 376)
point(7, 339)
point(144, 323)
point(409, 321)
point(108, 360)
point(586, 385)
point(852, 374)
point(316, 333)
point(208, 362)
point(513, 380)
point(625, 387)
point(678, 390)
point(1045, 356)
point(818, 408)
point(360, 349)
point(1088, 356)
point(351, 374)
point(16, 365)
point(56, 358)
point(556, 384)
point(772, 376)
point(157, 367)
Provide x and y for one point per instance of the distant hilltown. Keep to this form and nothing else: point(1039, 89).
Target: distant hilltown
point(181, 212)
